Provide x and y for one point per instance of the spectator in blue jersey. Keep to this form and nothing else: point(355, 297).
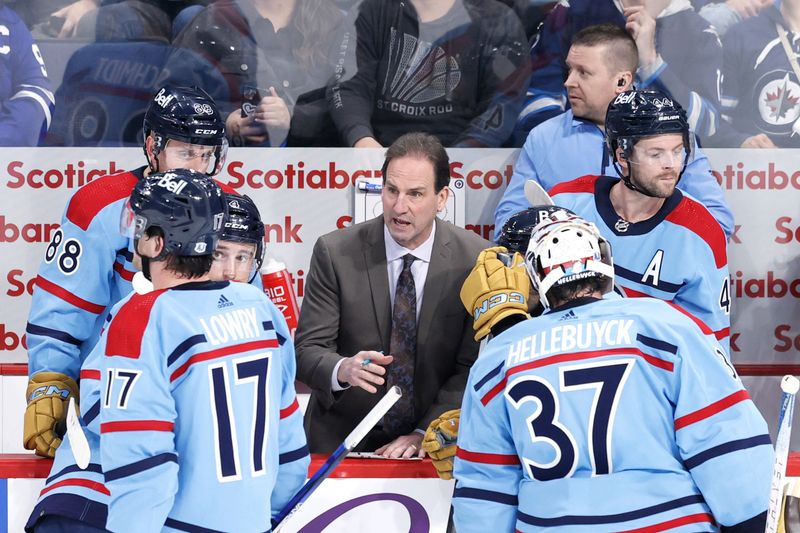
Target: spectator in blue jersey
point(456, 69)
point(87, 268)
point(666, 244)
point(602, 64)
point(761, 81)
point(725, 14)
point(26, 99)
point(267, 65)
point(199, 424)
point(605, 414)
point(667, 34)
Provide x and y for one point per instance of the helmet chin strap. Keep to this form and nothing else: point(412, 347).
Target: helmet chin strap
point(146, 260)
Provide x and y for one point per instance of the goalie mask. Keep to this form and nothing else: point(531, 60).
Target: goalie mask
point(565, 248)
point(189, 115)
point(516, 232)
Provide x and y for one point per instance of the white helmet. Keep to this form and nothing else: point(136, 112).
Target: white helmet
point(566, 248)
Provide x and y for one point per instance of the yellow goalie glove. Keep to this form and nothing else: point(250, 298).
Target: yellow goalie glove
point(48, 395)
point(494, 291)
point(440, 442)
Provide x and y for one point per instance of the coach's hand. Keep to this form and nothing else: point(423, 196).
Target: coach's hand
point(440, 442)
point(364, 370)
point(405, 446)
point(48, 396)
point(494, 291)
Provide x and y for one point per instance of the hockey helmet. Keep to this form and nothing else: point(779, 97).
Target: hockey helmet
point(516, 231)
point(187, 206)
point(634, 114)
point(565, 248)
point(186, 114)
point(243, 224)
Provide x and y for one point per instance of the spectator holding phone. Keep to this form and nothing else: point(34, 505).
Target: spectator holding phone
point(266, 63)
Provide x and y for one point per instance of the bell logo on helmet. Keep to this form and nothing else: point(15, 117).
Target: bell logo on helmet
point(625, 98)
point(169, 182)
point(163, 99)
point(200, 247)
point(203, 109)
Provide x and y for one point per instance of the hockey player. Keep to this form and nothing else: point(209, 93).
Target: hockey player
point(666, 244)
point(87, 269)
point(240, 251)
point(605, 414)
point(199, 423)
point(498, 294)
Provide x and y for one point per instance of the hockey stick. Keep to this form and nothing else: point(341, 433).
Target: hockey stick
point(789, 386)
point(536, 195)
point(71, 429)
point(350, 442)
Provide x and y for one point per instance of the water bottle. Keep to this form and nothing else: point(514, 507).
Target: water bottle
point(278, 286)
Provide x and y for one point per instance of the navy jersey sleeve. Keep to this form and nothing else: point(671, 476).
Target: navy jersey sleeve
point(26, 98)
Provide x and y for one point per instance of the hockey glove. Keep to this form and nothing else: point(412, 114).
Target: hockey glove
point(48, 396)
point(440, 442)
point(494, 291)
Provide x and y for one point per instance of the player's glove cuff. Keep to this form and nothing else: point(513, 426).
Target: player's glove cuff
point(494, 291)
point(48, 395)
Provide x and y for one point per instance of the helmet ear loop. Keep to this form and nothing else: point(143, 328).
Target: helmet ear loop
point(158, 146)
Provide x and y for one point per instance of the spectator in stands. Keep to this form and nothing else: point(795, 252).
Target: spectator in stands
point(26, 100)
point(679, 53)
point(367, 289)
point(761, 81)
point(601, 61)
point(456, 69)
point(108, 20)
point(723, 15)
point(267, 65)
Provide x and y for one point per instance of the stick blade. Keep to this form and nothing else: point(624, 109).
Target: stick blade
point(536, 195)
point(77, 439)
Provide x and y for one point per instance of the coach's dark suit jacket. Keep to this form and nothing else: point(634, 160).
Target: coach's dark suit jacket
point(346, 309)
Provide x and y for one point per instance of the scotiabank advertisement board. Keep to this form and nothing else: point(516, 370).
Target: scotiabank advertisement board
point(305, 193)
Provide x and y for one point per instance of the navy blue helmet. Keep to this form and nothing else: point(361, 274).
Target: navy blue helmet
point(186, 114)
point(243, 224)
point(187, 206)
point(516, 232)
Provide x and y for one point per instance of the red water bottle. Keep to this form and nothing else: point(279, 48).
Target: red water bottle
point(278, 286)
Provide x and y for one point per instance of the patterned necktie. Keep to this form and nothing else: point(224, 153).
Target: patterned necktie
point(403, 347)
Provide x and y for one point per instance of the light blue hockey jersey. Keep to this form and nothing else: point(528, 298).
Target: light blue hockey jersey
point(199, 423)
point(564, 148)
point(608, 415)
point(678, 255)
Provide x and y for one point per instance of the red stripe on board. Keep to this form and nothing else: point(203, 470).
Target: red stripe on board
point(291, 409)
point(222, 352)
point(711, 410)
point(487, 458)
point(577, 356)
point(675, 522)
point(68, 297)
point(89, 373)
point(21, 369)
point(124, 274)
point(86, 483)
point(696, 218)
point(136, 425)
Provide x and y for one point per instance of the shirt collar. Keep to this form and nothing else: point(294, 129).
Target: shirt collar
point(395, 251)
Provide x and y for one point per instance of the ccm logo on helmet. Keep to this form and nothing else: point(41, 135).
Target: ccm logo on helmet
point(205, 132)
point(498, 299)
point(171, 184)
point(163, 99)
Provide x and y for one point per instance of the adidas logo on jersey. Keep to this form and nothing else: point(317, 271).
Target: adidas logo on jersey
point(568, 316)
point(223, 302)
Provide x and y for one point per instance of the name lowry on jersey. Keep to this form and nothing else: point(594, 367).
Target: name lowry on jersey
point(571, 337)
point(233, 325)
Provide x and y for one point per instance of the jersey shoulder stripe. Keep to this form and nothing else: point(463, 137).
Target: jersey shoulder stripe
point(288, 411)
point(67, 296)
point(712, 409)
point(222, 352)
point(96, 195)
point(725, 448)
point(487, 458)
point(127, 329)
point(691, 215)
point(583, 184)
